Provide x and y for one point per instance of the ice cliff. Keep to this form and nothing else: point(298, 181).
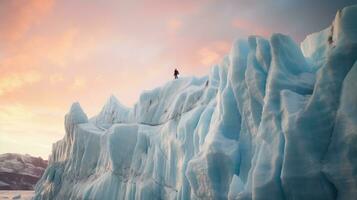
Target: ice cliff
point(272, 121)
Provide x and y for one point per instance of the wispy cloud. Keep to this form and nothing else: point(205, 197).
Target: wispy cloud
point(78, 83)
point(19, 16)
point(212, 54)
point(251, 28)
point(174, 25)
point(14, 81)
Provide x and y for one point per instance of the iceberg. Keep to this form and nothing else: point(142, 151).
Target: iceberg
point(273, 120)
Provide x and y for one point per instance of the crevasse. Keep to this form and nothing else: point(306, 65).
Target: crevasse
point(272, 121)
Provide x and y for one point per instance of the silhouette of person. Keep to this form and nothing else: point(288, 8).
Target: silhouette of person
point(176, 73)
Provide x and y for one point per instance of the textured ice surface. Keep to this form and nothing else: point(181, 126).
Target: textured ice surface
point(272, 121)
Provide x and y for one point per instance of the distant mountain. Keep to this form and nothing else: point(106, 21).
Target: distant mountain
point(20, 172)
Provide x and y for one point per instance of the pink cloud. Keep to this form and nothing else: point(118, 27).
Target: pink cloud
point(162, 7)
point(212, 54)
point(250, 28)
point(18, 16)
point(18, 80)
point(174, 25)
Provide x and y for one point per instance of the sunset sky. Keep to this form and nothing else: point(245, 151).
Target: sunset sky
point(53, 53)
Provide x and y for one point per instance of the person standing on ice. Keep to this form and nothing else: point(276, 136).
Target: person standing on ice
point(176, 73)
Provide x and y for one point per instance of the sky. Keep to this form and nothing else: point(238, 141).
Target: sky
point(55, 52)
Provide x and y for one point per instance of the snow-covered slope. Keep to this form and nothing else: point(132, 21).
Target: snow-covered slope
point(20, 172)
point(271, 121)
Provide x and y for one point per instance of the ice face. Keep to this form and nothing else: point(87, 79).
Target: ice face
point(272, 121)
point(112, 112)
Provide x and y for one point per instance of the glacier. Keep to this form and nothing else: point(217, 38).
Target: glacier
point(273, 120)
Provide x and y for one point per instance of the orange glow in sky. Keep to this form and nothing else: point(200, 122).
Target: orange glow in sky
point(53, 53)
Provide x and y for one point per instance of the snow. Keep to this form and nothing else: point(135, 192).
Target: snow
point(272, 121)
